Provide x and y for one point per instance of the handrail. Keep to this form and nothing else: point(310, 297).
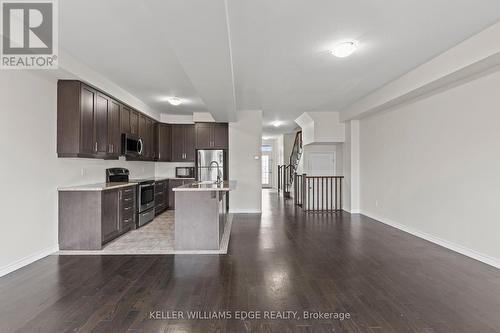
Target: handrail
point(297, 145)
point(318, 193)
point(284, 178)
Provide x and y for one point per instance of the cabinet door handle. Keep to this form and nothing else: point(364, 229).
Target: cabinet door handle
point(128, 199)
point(128, 191)
point(95, 146)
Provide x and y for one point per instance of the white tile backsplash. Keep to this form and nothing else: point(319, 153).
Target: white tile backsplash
point(167, 169)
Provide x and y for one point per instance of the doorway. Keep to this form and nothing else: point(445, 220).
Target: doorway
point(267, 166)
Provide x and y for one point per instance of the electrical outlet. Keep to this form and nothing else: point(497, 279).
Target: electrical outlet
point(83, 172)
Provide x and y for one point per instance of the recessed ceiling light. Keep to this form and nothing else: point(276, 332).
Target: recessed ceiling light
point(344, 49)
point(174, 100)
point(276, 123)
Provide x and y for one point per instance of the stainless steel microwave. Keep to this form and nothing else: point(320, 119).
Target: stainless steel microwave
point(184, 172)
point(131, 145)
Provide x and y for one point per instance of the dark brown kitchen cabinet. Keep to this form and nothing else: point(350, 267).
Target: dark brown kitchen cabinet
point(110, 223)
point(189, 143)
point(142, 134)
point(101, 124)
point(134, 122)
point(127, 209)
point(211, 135)
point(173, 183)
point(89, 219)
point(221, 136)
point(149, 140)
point(161, 196)
point(183, 143)
point(125, 119)
point(118, 212)
point(163, 142)
point(67, 114)
point(114, 129)
point(83, 121)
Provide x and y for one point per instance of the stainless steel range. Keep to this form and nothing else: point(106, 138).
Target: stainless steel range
point(145, 201)
point(145, 193)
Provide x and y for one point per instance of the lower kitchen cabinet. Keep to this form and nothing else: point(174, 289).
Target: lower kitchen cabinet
point(90, 218)
point(161, 195)
point(110, 224)
point(173, 183)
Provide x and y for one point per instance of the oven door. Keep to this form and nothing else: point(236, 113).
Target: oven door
point(146, 197)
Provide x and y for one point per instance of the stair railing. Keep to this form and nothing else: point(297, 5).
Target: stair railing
point(318, 193)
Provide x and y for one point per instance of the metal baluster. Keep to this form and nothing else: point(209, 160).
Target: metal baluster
point(340, 197)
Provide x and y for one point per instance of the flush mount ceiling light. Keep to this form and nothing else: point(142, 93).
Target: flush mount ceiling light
point(344, 49)
point(276, 123)
point(174, 100)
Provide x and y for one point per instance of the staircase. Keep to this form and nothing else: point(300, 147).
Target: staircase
point(287, 172)
point(296, 154)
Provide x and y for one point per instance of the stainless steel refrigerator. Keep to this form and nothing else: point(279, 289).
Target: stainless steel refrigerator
point(209, 164)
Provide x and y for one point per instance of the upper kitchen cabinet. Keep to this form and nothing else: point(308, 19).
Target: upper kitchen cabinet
point(146, 133)
point(125, 119)
point(114, 129)
point(134, 122)
point(183, 143)
point(150, 139)
point(84, 117)
point(211, 135)
point(163, 142)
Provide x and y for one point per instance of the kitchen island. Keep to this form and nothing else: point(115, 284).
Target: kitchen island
point(201, 215)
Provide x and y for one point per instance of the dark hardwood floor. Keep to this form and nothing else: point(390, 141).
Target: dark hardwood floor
point(387, 280)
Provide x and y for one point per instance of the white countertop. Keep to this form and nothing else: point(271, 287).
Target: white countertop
point(111, 186)
point(224, 186)
point(97, 187)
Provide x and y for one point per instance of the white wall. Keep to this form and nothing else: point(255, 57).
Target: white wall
point(350, 188)
point(176, 118)
point(32, 172)
point(433, 168)
point(288, 141)
point(321, 127)
point(327, 127)
point(273, 142)
point(245, 140)
point(337, 149)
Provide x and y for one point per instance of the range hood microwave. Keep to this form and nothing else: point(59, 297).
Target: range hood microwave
point(131, 145)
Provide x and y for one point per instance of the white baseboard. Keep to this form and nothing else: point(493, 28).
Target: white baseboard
point(27, 260)
point(245, 211)
point(495, 262)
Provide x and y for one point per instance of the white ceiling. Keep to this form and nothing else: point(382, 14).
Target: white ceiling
point(260, 54)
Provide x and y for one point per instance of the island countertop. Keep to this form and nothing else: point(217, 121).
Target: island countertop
point(225, 186)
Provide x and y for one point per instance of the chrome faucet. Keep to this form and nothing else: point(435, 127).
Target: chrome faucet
point(219, 180)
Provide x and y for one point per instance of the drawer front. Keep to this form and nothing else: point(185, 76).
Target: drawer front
point(160, 208)
point(128, 221)
point(128, 211)
point(130, 201)
point(159, 198)
point(128, 193)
